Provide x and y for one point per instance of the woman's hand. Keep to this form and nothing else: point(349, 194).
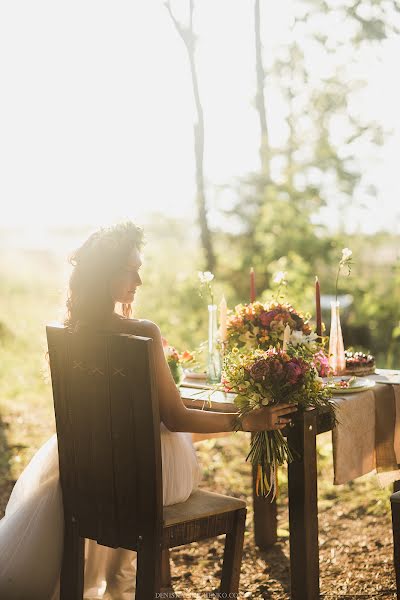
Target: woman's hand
point(268, 418)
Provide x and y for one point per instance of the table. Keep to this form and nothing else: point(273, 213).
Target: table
point(302, 492)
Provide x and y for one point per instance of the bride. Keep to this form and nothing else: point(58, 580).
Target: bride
point(105, 276)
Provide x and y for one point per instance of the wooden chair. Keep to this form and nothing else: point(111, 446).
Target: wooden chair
point(108, 429)
point(395, 503)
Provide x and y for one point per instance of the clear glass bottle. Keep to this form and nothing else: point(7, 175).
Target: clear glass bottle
point(213, 356)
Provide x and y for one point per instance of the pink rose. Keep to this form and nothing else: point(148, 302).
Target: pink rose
point(321, 363)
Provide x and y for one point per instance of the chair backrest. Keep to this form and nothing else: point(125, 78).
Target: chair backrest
point(108, 430)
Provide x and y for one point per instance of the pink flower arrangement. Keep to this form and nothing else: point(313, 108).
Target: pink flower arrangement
point(259, 325)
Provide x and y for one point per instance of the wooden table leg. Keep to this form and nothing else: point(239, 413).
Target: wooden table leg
point(303, 509)
point(166, 581)
point(265, 524)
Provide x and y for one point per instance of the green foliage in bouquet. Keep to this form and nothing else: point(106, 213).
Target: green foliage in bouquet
point(273, 376)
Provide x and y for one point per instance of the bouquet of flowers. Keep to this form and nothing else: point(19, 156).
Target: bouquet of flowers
point(264, 377)
point(177, 361)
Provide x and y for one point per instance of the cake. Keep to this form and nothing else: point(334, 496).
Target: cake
point(358, 363)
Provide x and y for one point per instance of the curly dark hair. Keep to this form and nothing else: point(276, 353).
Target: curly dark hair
point(106, 251)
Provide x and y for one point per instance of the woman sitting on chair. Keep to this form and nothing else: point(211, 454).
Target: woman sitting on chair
point(105, 276)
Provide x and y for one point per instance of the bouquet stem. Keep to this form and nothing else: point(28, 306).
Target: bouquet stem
point(268, 450)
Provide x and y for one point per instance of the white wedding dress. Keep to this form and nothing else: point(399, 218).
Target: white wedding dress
point(31, 532)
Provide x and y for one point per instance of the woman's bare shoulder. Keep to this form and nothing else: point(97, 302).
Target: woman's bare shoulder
point(142, 327)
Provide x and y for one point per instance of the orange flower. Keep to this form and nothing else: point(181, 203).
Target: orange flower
point(186, 356)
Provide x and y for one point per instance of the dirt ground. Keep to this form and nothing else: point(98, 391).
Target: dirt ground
point(355, 535)
point(355, 562)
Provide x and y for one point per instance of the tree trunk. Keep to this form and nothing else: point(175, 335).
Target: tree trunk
point(189, 39)
point(260, 95)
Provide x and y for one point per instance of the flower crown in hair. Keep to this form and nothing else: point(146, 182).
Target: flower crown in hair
point(113, 238)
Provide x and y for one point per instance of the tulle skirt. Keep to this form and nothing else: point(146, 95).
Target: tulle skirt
point(31, 532)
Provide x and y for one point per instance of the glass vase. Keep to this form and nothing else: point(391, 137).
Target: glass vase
point(213, 355)
point(337, 360)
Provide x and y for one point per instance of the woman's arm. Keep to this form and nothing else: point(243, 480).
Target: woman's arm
point(175, 415)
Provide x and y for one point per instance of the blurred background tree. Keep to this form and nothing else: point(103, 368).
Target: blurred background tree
point(275, 213)
point(188, 37)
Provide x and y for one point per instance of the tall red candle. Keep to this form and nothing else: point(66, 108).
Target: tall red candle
point(252, 285)
point(318, 307)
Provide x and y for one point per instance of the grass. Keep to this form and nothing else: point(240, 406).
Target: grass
point(29, 299)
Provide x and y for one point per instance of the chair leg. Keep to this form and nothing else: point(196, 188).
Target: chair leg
point(396, 543)
point(233, 554)
point(72, 568)
point(148, 574)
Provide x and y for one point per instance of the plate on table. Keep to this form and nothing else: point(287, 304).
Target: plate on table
point(198, 376)
point(348, 384)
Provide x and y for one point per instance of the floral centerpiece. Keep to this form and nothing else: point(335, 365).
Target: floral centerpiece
point(260, 326)
point(265, 377)
point(177, 362)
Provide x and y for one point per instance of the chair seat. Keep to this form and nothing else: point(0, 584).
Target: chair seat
point(199, 505)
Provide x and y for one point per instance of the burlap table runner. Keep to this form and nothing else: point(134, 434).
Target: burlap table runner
point(367, 436)
point(385, 431)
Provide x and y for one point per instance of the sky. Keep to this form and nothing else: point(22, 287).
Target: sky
point(96, 110)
